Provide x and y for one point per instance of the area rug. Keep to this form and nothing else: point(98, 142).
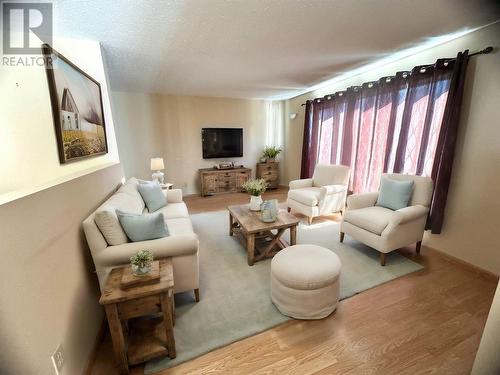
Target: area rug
point(235, 301)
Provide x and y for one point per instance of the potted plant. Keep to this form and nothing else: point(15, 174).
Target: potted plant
point(141, 262)
point(271, 152)
point(255, 188)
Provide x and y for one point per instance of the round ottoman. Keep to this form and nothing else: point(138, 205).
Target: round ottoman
point(305, 281)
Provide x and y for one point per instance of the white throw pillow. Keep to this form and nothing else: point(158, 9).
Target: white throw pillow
point(130, 188)
point(107, 222)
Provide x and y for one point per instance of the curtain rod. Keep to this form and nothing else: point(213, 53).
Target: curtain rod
point(484, 51)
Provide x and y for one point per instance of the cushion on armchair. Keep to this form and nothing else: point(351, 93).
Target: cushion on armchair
point(309, 196)
point(394, 194)
point(373, 219)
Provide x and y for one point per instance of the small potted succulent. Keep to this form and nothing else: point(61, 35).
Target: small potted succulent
point(271, 152)
point(255, 188)
point(141, 262)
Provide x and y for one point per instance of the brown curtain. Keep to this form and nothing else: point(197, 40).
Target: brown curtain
point(309, 145)
point(445, 149)
point(405, 123)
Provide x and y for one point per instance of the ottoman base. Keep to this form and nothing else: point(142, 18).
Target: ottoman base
point(304, 303)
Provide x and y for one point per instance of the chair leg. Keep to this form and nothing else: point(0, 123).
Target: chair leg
point(289, 209)
point(309, 220)
point(382, 259)
point(197, 295)
point(342, 236)
point(418, 246)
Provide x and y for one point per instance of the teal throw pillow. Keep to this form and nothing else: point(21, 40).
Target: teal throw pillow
point(394, 194)
point(152, 195)
point(143, 227)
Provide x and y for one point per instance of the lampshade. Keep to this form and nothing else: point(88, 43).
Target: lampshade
point(157, 164)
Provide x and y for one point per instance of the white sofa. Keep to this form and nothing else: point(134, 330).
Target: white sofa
point(323, 194)
point(383, 229)
point(181, 244)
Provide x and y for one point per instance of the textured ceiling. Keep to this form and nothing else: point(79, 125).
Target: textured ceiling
point(254, 48)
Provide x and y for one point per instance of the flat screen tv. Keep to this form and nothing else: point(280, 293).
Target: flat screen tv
point(222, 142)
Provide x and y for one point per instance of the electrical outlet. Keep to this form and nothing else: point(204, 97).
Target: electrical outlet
point(58, 359)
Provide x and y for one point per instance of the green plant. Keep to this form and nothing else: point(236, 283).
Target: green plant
point(255, 187)
point(142, 259)
point(270, 152)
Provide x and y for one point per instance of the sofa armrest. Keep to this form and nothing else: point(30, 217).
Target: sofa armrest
point(406, 215)
point(299, 184)
point(170, 246)
point(356, 201)
point(173, 195)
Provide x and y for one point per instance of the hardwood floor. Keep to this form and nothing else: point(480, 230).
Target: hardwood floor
point(197, 203)
point(429, 322)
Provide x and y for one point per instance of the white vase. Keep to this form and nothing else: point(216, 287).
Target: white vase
point(255, 202)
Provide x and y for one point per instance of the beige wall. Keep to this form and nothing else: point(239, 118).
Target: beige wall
point(139, 131)
point(170, 126)
point(28, 151)
point(48, 292)
point(471, 227)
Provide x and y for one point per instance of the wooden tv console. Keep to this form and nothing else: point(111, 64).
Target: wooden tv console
point(218, 181)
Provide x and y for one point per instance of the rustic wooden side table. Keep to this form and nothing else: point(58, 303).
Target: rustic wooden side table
point(145, 338)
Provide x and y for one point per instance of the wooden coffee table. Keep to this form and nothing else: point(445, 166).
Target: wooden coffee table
point(147, 338)
point(248, 224)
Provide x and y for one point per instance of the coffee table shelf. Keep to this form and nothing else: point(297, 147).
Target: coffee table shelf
point(252, 230)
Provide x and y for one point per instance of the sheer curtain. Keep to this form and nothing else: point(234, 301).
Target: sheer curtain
point(399, 124)
point(275, 123)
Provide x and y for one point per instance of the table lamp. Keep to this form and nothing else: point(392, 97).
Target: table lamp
point(157, 166)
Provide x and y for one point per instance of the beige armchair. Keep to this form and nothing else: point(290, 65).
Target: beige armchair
point(384, 229)
point(322, 194)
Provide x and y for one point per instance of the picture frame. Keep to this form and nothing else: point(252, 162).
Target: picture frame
point(77, 109)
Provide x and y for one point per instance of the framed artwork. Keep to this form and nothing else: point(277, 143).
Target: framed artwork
point(76, 108)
